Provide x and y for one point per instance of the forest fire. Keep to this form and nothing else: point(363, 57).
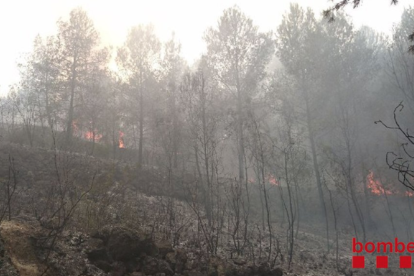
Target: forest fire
point(89, 135)
point(95, 136)
point(272, 180)
point(130, 146)
point(121, 144)
point(375, 185)
point(377, 188)
point(409, 193)
point(75, 128)
point(92, 136)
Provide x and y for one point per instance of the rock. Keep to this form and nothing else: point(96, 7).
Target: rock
point(177, 260)
point(164, 247)
point(262, 270)
point(93, 243)
point(277, 272)
point(98, 254)
point(189, 265)
point(76, 240)
point(104, 265)
point(124, 244)
point(195, 273)
point(118, 269)
point(153, 266)
point(239, 261)
point(6, 268)
point(134, 265)
point(20, 249)
point(216, 267)
point(170, 257)
point(1, 249)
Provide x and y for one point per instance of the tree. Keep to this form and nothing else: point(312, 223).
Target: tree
point(80, 42)
point(97, 85)
point(114, 113)
point(27, 107)
point(36, 97)
point(172, 66)
point(288, 158)
point(239, 53)
point(138, 60)
point(45, 77)
point(299, 47)
point(200, 102)
point(401, 162)
point(343, 3)
point(330, 15)
point(352, 58)
point(8, 190)
point(399, 65)
point(400, 70)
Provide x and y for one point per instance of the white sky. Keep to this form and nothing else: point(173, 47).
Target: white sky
point(22, 20)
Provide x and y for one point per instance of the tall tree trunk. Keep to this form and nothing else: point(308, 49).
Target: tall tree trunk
point(208, 205)
point(47, 102)
point(28, 131)
point(69, 129)
point(175, 127)
point(141, 126)
point(316, 166)
point(240, 127)
point(366, 197)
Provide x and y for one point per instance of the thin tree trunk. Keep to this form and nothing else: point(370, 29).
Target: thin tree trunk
point(316, 167)
point(141, 126)
point(240, 126)
point(69, 129)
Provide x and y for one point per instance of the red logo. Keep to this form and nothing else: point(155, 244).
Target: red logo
point(382, 248)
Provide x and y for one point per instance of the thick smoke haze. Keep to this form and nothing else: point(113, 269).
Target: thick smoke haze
point(21, 21)
point(220, 138)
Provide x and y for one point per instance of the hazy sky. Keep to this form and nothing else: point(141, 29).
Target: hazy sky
point(21, 21)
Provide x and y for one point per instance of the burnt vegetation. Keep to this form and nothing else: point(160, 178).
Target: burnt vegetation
point(264, 157)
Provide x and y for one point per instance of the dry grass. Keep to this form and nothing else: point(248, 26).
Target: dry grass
point(19, 247)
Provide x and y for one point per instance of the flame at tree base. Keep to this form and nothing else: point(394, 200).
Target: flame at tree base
point(409, 193)
point(375, 185)
point(93, 136)
point(272, 180)
point(378, 189)
point(121, 144)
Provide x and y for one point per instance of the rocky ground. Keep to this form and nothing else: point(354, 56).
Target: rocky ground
point(121, 251)
point(120, 229)
point(112, 251)
point(6, 266)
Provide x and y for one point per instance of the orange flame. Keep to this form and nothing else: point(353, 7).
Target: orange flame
point(272, 180)
point(90, 135)
point(409, 193)
point(375, 185)
point(75, 128)
point(121, 140)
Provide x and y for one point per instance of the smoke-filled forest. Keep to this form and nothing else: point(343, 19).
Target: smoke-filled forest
point(265, 156)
